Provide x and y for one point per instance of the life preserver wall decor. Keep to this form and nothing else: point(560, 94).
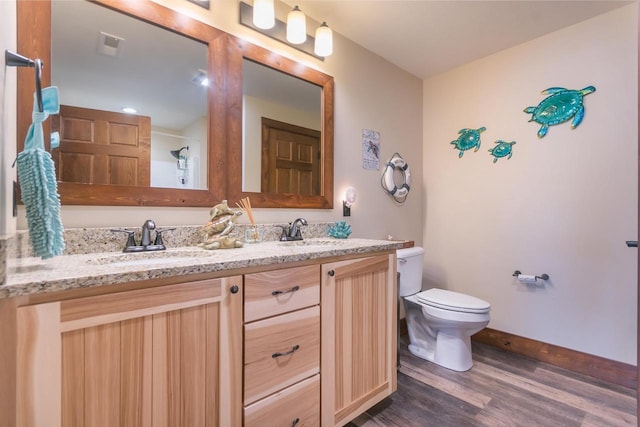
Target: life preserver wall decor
point(388, 183)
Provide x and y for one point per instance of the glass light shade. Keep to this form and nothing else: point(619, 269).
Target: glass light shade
point(296, 26)
point(350, 196)
point(324, 40)
point(264, 14)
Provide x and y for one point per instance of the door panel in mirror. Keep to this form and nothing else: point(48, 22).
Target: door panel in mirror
point(101, 147)
point(34, 39)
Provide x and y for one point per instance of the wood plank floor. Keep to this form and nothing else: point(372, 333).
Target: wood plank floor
point(502, 389)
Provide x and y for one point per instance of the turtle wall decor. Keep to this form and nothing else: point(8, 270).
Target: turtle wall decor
point(560, 106)
point(468, 139)
point(503, 149)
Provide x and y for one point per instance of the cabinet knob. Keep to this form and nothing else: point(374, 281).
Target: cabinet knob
point(295, 422)
point(331, 273)
point(234, 289)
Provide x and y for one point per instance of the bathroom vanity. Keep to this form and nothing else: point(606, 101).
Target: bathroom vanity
point(262, 335)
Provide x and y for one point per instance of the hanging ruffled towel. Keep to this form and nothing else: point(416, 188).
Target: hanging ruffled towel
point(37, 177)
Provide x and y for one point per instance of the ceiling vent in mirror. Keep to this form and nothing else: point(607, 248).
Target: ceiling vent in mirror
point(110, 45)
point(200, 78)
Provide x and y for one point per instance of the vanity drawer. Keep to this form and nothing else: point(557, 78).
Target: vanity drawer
point(299, 402)
point(280, 351)
point(279, 291)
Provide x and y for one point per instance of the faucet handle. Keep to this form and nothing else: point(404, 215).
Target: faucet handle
point(283, 235)
point(159, 232)
point(131, 241)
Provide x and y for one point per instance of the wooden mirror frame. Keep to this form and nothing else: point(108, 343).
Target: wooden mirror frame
point(224, 161)
point(33, 41)
point(240, 49)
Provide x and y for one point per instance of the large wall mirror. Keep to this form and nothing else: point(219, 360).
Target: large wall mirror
point(140, 54)
point(105, 55)
point(144, 86)
point(285, 156)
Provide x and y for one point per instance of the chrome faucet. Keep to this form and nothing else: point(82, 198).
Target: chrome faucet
point(292, 232)
point(294, 229)
point(146, 232)
point(145, 241)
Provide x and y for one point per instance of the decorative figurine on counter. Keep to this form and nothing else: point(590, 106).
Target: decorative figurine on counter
point(222, 220)
point(468, 139)
point(503, 149)
point(560, 106)
point(340, 230)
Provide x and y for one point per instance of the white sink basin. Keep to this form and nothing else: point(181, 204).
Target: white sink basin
point(151, 258)
point(316, 242)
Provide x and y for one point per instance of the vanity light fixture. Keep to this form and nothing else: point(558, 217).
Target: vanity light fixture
point(296, 26)
point(324, 40)
point(264, 14)
point(349, 199)
point(292, 33)
point(129, 110)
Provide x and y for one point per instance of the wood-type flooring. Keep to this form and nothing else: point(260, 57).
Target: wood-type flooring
point(502, 389)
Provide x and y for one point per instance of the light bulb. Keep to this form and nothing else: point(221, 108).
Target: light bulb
point(324, 40)
point(296, 26)
point(263, 14)
point(350, 196)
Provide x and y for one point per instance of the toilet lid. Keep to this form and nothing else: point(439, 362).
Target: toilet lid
point(449, 300)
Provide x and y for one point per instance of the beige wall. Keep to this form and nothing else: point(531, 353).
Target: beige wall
point(370, 93)
point(563, 205)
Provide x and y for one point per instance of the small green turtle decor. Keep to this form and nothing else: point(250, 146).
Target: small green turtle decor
point(468, 139)
point(503, 149)
point(562, 105)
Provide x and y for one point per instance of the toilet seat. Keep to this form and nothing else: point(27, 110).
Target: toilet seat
point(454, 301)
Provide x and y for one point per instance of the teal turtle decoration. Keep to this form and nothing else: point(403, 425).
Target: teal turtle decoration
point(562, 105)
point(503, 149)
point(468, 139)
point(340, 230)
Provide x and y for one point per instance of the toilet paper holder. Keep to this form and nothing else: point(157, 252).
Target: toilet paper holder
point(543, 276)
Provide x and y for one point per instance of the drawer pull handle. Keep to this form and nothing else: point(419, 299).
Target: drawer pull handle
point(286, 353)
point(295, 422)
point(276, 293)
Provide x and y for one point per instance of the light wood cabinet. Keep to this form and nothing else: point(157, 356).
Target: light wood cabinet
point(308, 345)
point(162, 356)
point(298, 405)
point(282, 347)
point(359, 317)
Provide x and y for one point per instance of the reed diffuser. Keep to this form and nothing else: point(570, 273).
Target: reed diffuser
point(252, 234)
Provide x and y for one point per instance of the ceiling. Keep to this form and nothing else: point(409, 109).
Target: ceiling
point(426, 38)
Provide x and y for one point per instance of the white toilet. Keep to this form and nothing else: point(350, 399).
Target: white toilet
point(440, 322)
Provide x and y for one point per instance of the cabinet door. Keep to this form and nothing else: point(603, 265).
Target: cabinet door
point(164, 356)
point(358, 300)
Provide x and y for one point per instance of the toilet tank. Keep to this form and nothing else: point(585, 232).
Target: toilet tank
point(410, 264)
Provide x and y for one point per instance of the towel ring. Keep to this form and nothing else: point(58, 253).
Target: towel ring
point(13, 59)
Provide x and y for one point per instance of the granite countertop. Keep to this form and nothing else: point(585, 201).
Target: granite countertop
point(28, 276)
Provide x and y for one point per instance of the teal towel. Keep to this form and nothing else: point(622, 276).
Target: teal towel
point(37, 177)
